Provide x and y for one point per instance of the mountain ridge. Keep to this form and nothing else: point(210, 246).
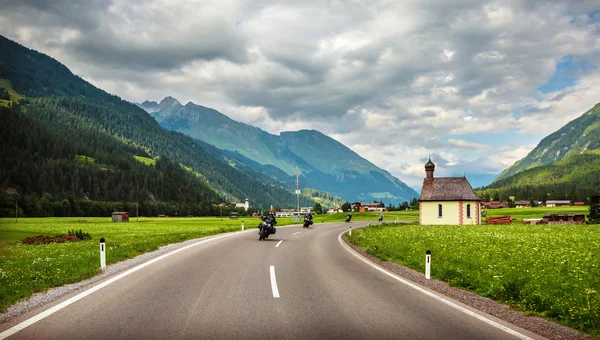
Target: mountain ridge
point(50, 86)
point(577, 136)
point(564, 165)
point(325, 164)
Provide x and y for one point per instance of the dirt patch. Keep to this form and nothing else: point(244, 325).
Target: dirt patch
point(46, 239)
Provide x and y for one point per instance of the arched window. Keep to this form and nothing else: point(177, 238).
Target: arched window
point(468, 211)
point(439, 210)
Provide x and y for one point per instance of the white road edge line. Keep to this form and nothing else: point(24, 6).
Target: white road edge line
point(430, 294)
point(50, 311)
point(274, 283)
point(278, 243)
point(296, 233)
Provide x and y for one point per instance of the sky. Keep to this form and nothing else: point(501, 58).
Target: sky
point(475, 84)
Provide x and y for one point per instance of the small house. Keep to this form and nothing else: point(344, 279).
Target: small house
point(120, 216)
point(522, 204)
point(558, 203)
point(447, 200)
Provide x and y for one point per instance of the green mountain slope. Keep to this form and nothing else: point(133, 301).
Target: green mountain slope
point(564, 165)
point(50, 87)
point(324, 163)
point(578, 136)
point(59, 172)
point(575, 177)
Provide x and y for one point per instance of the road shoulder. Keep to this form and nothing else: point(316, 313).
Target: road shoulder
point(537, 325)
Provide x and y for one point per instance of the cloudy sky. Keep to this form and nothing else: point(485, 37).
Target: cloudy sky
point(474, 83)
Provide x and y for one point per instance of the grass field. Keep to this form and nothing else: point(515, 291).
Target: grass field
point(539, 212)
point(84, 159)
point(146, 160)
point(26, 269)
point(549, 270)
point(370, 216)
point(14, 96)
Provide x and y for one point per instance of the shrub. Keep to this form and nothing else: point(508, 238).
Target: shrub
point(80, 234)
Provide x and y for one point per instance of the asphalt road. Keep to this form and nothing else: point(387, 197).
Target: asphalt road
point(224, 289)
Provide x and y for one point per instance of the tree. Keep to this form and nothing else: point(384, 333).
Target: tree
point(346, 207)
point(594, 216)
point(414, 204)
point(317, 208)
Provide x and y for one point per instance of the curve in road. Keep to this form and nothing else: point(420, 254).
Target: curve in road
point(299, 283)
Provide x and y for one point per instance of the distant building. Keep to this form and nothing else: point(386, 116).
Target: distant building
point(522, 204)
point(120, 216)
point(447, 200)
point(557, 203)
point(245, 205)
point(364, 207)
point(334, 210)
point(579, 204)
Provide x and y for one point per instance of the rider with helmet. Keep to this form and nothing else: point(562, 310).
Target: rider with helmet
point(270, 219)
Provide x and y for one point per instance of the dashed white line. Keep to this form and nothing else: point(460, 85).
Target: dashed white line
point(274, 283)
point(48, 312)
point(278, 243)
point(296, 233)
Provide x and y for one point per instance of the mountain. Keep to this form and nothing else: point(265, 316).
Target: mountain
point(578, 136)
point(113, 130)
point(148, 105)
point(325, 164)
point(565, 164)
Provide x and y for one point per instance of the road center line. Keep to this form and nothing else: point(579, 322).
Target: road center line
point(274, 283)
point(278, 243)
point(435, 296)
point(296, 233)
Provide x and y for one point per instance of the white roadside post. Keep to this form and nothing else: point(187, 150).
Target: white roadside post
point(102, 254)
point(396, 220)
point(242, 225)
point(350, 230)
point(428, 264)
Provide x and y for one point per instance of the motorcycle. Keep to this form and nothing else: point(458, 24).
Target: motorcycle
point(348, 218)
point(264, 230)
point(380, 218)
point(307, 222)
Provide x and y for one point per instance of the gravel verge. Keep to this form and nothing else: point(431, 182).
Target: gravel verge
point(535, 324)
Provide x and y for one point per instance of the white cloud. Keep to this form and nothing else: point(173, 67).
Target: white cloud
point(389, 79)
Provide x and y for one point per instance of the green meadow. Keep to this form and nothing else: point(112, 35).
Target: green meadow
point(27, 269)
point(537, 212)
point(146, 160)
point(548, 270)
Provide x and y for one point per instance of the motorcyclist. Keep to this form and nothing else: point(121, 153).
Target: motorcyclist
point(309, 218)
point(381, 217)
point(270, 219)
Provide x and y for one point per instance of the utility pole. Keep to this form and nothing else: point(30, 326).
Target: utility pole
point(16, 211)
point(297, 193)
point(137, 211)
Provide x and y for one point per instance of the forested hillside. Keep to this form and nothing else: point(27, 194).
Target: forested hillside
point(71, 117)
point(576, 137)
point(564, 165)
point(575, 178)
